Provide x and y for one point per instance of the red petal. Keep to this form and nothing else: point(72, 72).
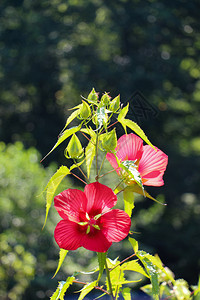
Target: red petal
point(129, 147)
point(69, 203)
point(116, 225)
point(100, 197)
point(96, 242)
point(67, 235)
point(152, 166)
point(112, 160)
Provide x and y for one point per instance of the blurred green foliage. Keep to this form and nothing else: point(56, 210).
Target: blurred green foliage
point(51, 52)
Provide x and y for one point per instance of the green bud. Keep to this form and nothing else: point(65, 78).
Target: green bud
point(105, 99)
point(115, 104)
point(93, 96)
point(84, 110)
point(74, 148)
point(109, 142)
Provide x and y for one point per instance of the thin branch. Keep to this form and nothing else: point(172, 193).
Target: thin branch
point(122, 261)
point(78, 178)
point(96, 287)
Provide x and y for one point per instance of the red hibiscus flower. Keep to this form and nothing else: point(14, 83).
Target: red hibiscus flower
point(88, 220)
point(148, 163)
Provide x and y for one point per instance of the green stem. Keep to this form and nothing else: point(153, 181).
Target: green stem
point(97, 142)
point(109, 282)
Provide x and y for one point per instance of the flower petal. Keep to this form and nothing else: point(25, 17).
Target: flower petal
point(67, 235)
point(96, 242)
point(69, 203)
point(129, 147)
point(115, 225)
point(100, 197)
point(152, 166)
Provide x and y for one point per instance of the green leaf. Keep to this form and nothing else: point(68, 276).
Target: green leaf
point(92, 97)
point(74, 148)
point(128, 197)
point(64, 136)
point(151, 271)
point(137, 189)
point(73, 116)
point(133, 265)
point(62, 288)
point(87, 288)
point(134, 244)
point(123, 113)
point(136, 128)
point(126, 293)
point(102, 261)
point(62, 255)
point(181, 290)
point(52, 186)
point(116, 276)
point(109, 141)
point(101, 116)
point(105, 99)
point(89, 156)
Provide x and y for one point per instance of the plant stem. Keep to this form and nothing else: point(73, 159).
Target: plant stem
point(97, 141)
point(78, 177)
point(81, 171)
point(96, 287)
point(109, 282)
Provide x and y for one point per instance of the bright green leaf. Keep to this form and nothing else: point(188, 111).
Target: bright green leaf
point(62, 255)
point(52, 186)
point(62, 288)
point(134, 244)
point(126, 293)
point(89, 156)
point(85, 110)
point(136, 128)
point(181, 290)
point(123, 113)
point(73, 116)
point(87, 288)
point(93, 96)
point(152, 272)
point(115, 104)
point(133, 265)
point(101, 117)
point(128, 198)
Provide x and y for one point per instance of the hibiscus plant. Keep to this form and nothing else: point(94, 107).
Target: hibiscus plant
point(88, 217)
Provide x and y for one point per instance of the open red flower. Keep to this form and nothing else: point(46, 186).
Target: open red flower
point(150, 163)
point(88, 220)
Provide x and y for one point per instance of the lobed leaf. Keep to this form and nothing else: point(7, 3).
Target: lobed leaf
point(133, 265)
point(62, 255)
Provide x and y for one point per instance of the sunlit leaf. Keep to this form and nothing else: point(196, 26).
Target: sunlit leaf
point(101, 116)
point(92, 97)
point(133, 265)
point(109, 141)
point(126, 293)
point(102, 261)
point(74, 148)
point(73, 116)
point(123, 113)
point(87, 288)
point(181, 290)
point(131, 169)
point(62, 255)
point(64, 136)
point(89, 156)
point(136, 128)
point(152, 272)
point(62, 288)
point(52, 186)
point(134, 244)
point(128, 198)
point(85, 110)
point(115, 104)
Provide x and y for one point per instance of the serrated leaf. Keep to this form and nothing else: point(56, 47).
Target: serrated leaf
point(87, 288)
point(62, 288)
point(126, 293)
point(128, 198)
point(133, 265)
point(136, 128)
point(134, 244)
point(116, 277)
point(152, 272)
point(131, 169)
point(89, 156)
point(62, 255)
point(64, 136)
point(102, 261)
point(52, 186)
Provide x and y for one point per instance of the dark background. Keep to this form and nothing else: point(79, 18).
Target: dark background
point(51, 52)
